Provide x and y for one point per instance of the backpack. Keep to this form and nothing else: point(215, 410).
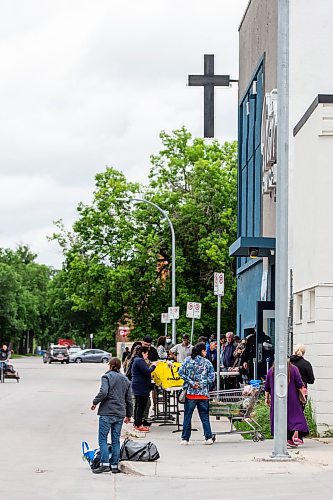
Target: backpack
point(87, 454)
point(139, 452)
point(93, 457)
point(128, 372)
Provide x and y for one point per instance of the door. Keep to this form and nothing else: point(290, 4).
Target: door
point(88, 356)
point(265, 337)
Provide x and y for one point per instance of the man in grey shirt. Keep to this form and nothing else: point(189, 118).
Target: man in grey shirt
point(115, 407)
point(180, 351)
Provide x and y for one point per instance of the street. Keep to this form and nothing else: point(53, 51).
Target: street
point(45, 417)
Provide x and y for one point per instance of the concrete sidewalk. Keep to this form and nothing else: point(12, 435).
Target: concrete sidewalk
point(231, 455)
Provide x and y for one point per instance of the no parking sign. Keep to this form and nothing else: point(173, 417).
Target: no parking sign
point(193, 310)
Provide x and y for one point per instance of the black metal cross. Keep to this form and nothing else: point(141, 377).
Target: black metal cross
point(208, 80)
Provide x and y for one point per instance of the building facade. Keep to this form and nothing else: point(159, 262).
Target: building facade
point(310, 181)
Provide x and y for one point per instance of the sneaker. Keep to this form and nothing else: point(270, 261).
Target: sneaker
point(291, 444)
point(141, 428)
point(298, 441)
point(209, 441)
point(184, 442)
point(115, 469)
point(101, 468)
point(145, 423)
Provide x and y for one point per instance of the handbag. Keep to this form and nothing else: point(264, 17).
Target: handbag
point(139, 452)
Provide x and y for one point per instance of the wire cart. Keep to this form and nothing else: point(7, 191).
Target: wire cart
point(237, 405)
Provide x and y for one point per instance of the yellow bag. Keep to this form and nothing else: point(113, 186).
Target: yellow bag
point(167, 376)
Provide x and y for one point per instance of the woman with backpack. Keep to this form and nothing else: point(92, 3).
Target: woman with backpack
point(198, 375)
point(141, 385)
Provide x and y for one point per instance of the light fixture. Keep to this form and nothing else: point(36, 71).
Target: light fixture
point(253, 253)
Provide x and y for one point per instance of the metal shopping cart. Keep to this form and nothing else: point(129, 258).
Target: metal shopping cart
point(238, 406)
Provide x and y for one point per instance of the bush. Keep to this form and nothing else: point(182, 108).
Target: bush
point(261, 415)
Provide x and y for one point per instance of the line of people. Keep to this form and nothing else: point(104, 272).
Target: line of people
point(118, 392)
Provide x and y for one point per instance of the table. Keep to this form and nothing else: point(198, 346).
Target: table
point(168, 398)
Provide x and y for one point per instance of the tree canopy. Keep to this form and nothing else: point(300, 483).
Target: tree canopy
point(118, 254)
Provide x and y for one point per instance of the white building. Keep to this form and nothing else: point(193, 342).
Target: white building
point(310, 184)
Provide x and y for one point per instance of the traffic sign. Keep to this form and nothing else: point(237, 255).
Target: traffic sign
point(173, 312)
point(91, 335)
point(190, 310)
point(219, 283)
point(123, 330)
point(165, 318)
point(193, 310)
point(197, 310)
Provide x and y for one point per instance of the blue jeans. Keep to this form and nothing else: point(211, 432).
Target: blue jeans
point(203, 409)
point(107, 424)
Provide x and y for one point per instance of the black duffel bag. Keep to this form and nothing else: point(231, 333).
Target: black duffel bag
point(139, 452)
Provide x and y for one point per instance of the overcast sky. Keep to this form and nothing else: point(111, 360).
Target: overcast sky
point(89, 83)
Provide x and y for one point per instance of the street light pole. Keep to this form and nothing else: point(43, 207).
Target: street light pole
point(173, 257)
point(281, 294)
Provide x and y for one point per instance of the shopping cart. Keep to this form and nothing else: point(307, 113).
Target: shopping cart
point(238, 406)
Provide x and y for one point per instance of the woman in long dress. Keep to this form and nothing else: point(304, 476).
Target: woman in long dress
point(295, 417)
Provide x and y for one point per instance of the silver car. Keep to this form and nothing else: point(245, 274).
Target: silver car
point(90, 356)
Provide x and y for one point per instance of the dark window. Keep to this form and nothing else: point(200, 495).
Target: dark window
point(250, 158)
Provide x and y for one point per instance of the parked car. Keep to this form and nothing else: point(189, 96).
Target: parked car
point(90, 356)
point(56, 353)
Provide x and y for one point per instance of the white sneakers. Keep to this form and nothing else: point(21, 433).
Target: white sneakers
point(207, 441)
point(211, 440)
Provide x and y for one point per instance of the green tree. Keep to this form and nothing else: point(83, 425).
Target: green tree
point(118, 256)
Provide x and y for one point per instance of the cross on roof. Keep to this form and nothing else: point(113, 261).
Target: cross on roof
point(208, 80)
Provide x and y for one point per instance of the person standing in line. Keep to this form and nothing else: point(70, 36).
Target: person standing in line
point(126, 354)
point(250, 353)
point(161, 351)
point(306, 371)
point(115, 407)
point(141, 386)
point(198, 375)
point(211, 353)
point(147, 341)
point(227, 355)
point(180, 351)
point(295, 416)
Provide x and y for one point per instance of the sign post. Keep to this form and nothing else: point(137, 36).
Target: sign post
point(91, 340)
point(193, 311)
point(219, 291)
point(173, 313)
point(165, 319)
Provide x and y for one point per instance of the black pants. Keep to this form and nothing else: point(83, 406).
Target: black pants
point(140, 405)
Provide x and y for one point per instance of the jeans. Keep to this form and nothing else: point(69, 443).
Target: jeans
point(140, 405)
point(203, 409)
point(106, 424)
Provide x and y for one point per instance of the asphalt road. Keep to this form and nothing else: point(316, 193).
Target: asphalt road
point(43, 421)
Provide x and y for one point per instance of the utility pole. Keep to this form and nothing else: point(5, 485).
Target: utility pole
point(281, 290)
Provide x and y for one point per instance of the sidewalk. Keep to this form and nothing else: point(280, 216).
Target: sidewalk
point(230, 455)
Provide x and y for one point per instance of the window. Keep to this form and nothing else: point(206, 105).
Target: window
point(312, 305)
point(299, 308)
point(250, 159)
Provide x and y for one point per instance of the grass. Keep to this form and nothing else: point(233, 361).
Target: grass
point(17, 356)
point(261, 415)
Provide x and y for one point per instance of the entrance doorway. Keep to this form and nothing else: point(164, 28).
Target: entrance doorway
point(265, 337)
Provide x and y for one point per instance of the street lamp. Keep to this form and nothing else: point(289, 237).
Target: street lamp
point(173, 255)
